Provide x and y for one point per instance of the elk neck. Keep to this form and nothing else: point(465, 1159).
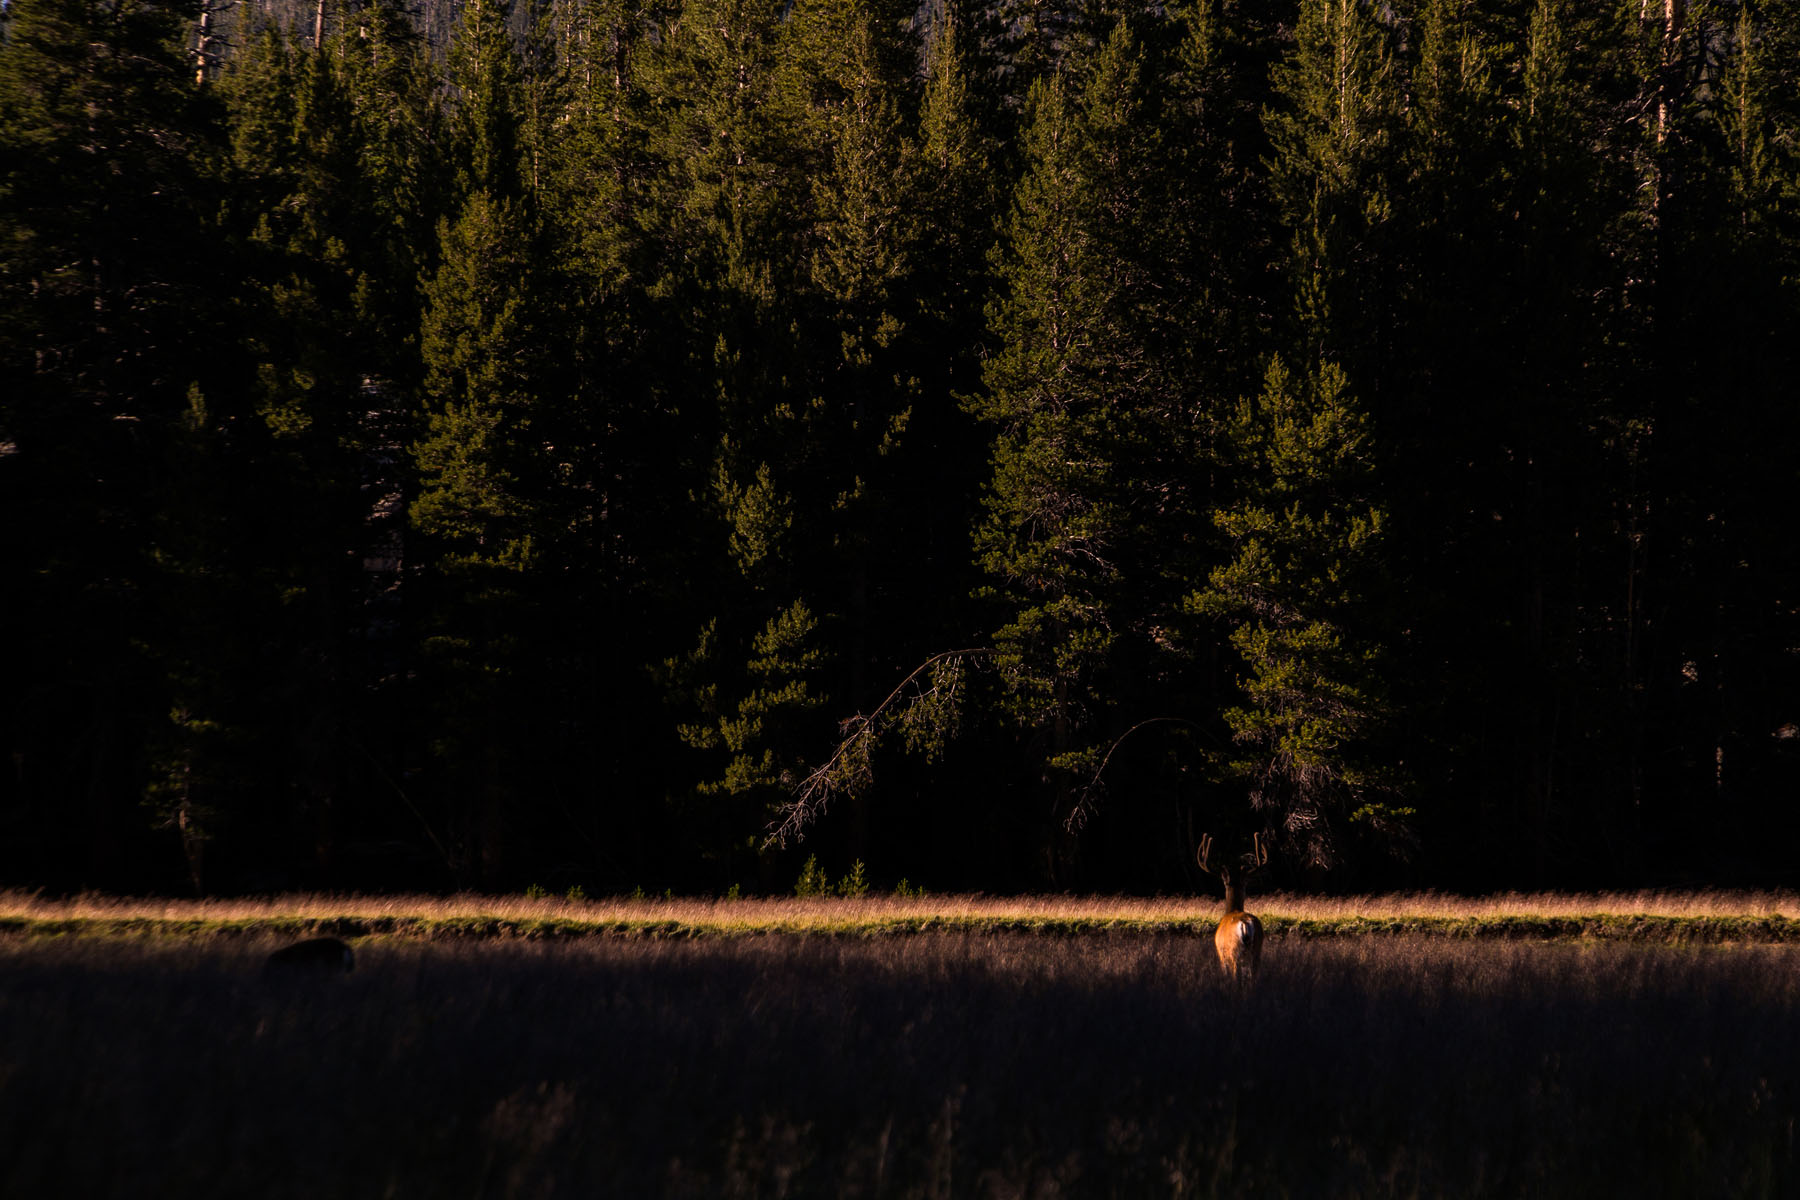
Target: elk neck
point(1234, 896)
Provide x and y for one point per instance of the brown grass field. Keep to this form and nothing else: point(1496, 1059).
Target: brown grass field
point(984, 1059)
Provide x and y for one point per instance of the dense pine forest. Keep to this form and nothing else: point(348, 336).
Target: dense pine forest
point(643, 443)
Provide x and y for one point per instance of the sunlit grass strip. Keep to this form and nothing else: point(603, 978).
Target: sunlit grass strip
point(792, 912)
point(1647, 929)
point(1658, 918)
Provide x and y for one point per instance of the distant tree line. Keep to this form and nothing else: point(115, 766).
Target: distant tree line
point(995, 440)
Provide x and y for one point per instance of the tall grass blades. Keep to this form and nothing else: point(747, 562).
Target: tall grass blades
point(947, 1064)
point(819, 910)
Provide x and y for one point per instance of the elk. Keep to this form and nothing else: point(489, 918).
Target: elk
point(1239, 938)
point(315, 956)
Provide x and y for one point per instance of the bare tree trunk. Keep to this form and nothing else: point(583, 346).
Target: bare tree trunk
point(1674, 16)
point(1640, 504)
point(206, 43)
point(193, 841)
point(203, 45)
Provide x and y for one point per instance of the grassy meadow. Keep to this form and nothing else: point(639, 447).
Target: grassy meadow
point(1032, 1048)
point(1633, 916)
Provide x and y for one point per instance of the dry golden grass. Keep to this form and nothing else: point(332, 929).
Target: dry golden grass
point(798, 914)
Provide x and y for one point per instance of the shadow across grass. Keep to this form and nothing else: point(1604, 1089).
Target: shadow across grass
point(936, 1064)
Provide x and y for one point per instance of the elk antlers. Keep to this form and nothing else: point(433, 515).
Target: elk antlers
point(1259, 856)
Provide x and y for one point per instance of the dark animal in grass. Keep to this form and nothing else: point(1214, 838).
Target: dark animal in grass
point(315, 956)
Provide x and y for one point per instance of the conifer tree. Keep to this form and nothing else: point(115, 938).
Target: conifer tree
point(482, 476)
point(1451, 148)
point(716, 141)
point(1332, 136)
point(952, 187)
point(1090, 517)
point(861, 320)
point(326, 187)
point(294, 165)
point(112, 290)
point(1216, 220)
point(486, 104)
point(958, 192)
point(729, 209)
point(597, 260)
point(488, 465)
point(1301, 595)
point(1712, 358)
point(1296, 595)
point(625, 461)
point(598, 163)
point(400, 190)
point(1041, 514)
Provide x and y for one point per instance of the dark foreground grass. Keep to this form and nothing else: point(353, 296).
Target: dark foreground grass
point(936, 1064)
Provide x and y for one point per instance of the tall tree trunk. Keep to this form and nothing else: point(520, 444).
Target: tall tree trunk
point(1641, 502)
point(1674, 15)
point(203, 44)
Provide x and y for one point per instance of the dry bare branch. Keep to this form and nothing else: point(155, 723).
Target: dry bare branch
point(850, 766)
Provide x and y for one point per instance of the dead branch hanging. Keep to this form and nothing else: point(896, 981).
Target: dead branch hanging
point(849, 768)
